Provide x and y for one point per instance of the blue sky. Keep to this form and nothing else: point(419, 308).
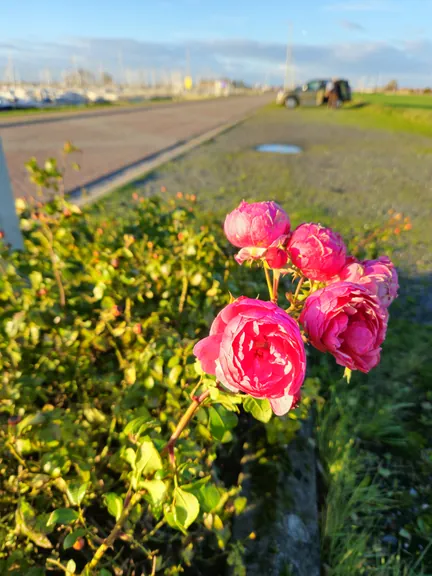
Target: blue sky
point(362, 39)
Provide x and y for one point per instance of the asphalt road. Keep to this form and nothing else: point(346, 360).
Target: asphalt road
point(112, 139)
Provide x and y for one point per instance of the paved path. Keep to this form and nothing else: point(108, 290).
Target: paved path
point(113, 139)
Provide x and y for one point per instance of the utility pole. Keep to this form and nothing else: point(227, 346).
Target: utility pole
point(121, 67)
point(188, 72)
point(289, 68)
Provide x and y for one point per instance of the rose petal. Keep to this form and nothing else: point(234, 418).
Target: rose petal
point(207, 352)
point(281, 406)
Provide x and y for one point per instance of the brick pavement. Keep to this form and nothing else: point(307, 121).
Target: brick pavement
point(113, 139)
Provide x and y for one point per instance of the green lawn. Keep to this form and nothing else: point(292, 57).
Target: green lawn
point(420, 101)
point(396, 113)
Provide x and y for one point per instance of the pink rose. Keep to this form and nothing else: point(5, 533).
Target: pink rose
point(378, 276)
point(317, 251)
point(256, 347)
point(256, 225)
point(346, 320)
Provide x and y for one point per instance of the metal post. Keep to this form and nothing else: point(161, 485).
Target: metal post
point(9, 223)
point(289, 69)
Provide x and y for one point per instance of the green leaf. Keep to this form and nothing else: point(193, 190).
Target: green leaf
point(25, 518)
point(98, 290)
point(157, 490)
point(210, 497)
point(229, 401)
point(260, 409)
point(76, 492)
point(70, 567)
point(240, 504)
point(71, 538)
point(36, 279)
point(130, 457)
point(186, 508)
point(198, 368)
point(30, 420)
point(137, 426)
point(114, 504)
point(62, 516)
point(104, 572)
point(221, 421)
point(174, 375)
point(93, 415)
point(171, 521)
point(385, 472)
point(130, 374)
point(148, 459)
point(208, 494)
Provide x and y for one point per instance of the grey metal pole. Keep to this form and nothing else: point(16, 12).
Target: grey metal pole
point(289, 72)
point(9, 222)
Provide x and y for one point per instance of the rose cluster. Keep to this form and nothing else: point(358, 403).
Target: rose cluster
point(340, 306)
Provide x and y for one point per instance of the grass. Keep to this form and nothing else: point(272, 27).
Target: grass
point(410, 114)
point(420, 101)
point(374, 434)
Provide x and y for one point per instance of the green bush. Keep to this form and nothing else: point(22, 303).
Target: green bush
point(98, 319)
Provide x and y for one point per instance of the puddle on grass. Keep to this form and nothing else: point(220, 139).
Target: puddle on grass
point(279, 148)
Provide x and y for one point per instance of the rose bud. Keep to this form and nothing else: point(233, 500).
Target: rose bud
point(318, 252)
point(256, 225)
point(276, 258)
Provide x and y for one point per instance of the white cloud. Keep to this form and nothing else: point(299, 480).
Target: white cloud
point(237, 58)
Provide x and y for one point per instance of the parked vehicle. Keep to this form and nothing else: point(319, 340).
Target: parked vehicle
point(70, 98)
point(313, 93)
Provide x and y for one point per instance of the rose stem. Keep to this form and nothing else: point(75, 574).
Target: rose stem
point(276, 276)
point(297, 292)
point(129, 503)
point(183, 422)
point(269, 284)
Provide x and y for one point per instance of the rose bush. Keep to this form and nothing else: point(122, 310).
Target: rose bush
point(109, 428)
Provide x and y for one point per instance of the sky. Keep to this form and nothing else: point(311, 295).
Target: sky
point(367, 41)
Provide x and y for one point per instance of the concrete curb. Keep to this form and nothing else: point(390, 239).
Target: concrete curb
point(95, 192)
point(290, 542)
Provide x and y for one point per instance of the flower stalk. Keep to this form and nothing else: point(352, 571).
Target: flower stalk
point(183, 422)
point(130, 502)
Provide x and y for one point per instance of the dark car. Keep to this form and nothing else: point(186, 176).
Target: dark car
point(313, 93)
